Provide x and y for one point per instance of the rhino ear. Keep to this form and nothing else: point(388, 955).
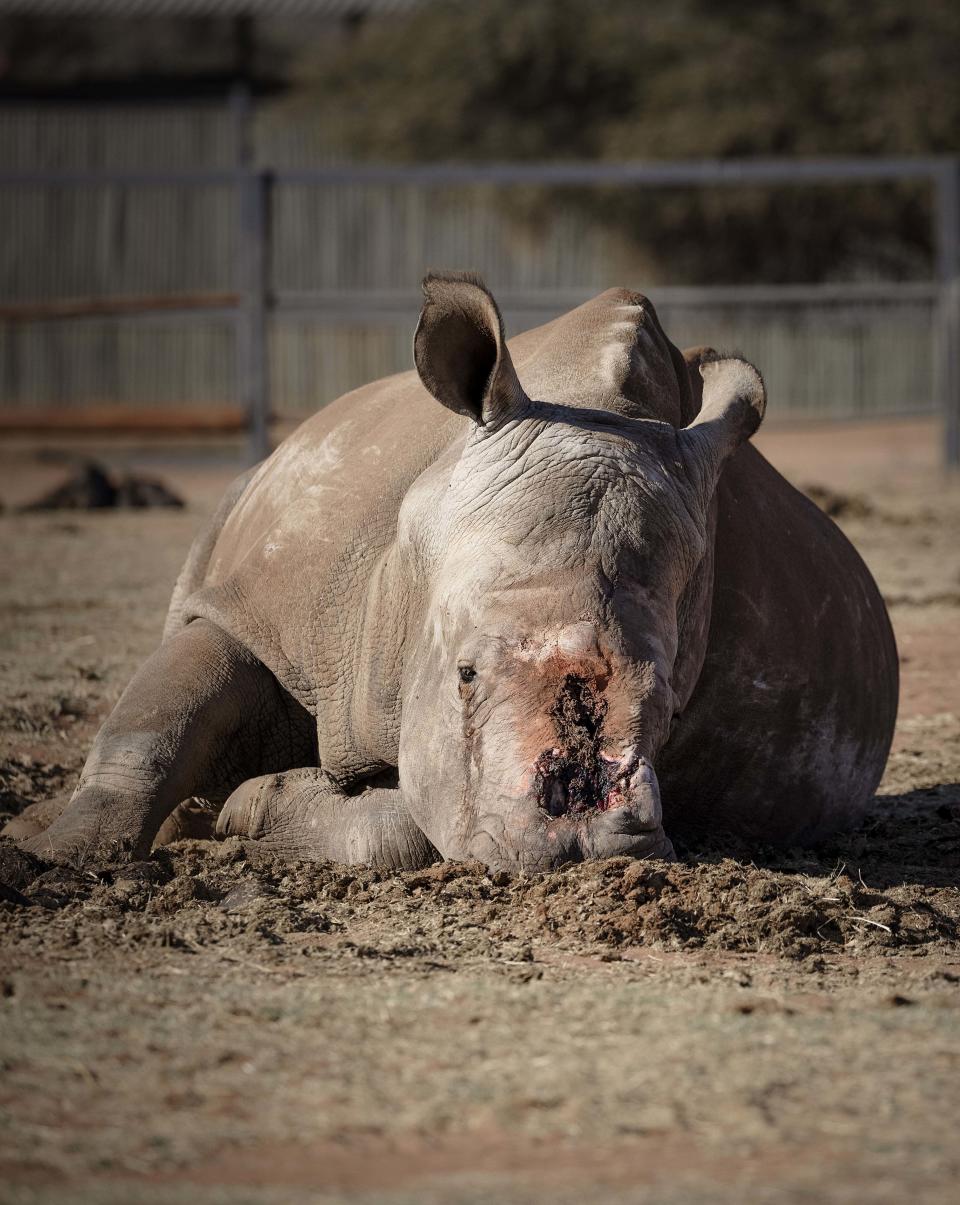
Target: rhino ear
point(461, 353)
point(734, 402)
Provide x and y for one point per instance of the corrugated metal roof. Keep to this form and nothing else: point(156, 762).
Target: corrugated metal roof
point(206, 8)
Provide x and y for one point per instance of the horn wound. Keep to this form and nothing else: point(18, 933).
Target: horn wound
point(574, 777)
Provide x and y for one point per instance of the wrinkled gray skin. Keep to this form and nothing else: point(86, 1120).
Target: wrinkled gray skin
point(486, 630)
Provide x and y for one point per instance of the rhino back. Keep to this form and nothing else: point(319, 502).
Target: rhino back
point(788, 729)
point(289, 568)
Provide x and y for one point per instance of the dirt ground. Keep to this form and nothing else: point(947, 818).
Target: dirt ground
point(211, 1026)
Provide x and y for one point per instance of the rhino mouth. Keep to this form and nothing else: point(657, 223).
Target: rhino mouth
point(566, 784)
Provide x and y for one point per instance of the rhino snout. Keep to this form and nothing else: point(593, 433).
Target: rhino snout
point(581, 813)
point(566, 783)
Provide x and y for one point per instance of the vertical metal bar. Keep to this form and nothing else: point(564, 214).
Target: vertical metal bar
point(948, 306)
point(252, 366)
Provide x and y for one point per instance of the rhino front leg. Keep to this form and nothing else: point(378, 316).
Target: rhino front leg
point(301, 814)
point(200, 716)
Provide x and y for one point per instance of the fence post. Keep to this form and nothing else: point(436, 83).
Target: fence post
point(948, 307)
point(252, 364)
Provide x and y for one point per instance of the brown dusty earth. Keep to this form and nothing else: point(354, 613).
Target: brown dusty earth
point(211, 1026)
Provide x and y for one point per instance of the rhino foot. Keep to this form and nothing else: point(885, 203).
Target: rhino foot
point(34, 819)
point(91, 828)
point(301, 815)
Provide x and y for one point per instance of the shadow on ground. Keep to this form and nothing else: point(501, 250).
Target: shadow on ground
point(907, 839)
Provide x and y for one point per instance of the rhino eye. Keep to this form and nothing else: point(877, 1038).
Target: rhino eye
point(466, 673)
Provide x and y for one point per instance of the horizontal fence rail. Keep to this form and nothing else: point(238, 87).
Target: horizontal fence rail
point(555, 301)
point(118, 307)
point(649, 174)
point(204, 289)
point(852, 352)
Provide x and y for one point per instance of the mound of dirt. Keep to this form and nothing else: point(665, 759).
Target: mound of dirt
point(200, 894)
point(24, 779)
point(839, 505)
point(92, 487)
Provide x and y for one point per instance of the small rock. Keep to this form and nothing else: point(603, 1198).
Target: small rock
point(245, 895)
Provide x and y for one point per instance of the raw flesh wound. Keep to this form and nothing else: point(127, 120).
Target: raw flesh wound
point(575, 775)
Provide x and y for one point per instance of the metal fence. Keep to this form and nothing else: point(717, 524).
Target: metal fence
point(197, 288)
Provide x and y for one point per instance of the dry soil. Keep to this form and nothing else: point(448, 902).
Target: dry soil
point(213, 1026)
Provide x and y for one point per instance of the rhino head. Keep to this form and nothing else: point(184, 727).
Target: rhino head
point(553, 564)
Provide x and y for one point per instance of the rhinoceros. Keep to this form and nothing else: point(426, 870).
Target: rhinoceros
point(535, 602)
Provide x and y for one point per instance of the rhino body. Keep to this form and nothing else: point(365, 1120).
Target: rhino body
point(568, 613)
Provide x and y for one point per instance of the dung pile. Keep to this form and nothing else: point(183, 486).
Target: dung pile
point(92, 487)
point(837, 504)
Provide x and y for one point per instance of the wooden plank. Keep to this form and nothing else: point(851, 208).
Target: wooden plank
point(115, 419)
point(109, 307)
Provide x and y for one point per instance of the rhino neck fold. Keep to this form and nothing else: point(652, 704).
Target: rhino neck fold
point(379, 637)
point(694, 612)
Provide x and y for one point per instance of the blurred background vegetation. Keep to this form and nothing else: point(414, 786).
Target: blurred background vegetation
point(425, 80)
point(576, 79)
point(100, 87)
